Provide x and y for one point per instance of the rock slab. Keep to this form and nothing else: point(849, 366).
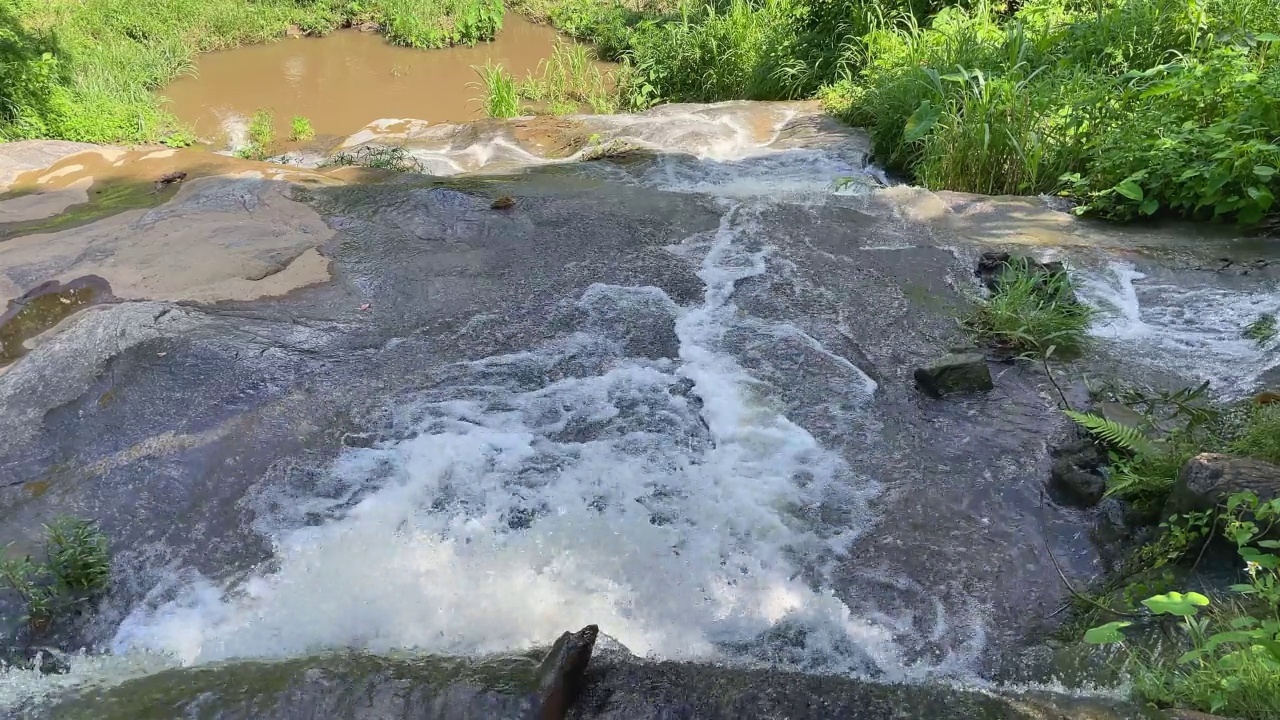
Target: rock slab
point(965, 372)
point(1209, 478)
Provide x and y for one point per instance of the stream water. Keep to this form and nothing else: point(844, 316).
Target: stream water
point(347, 79)
point(669, 396)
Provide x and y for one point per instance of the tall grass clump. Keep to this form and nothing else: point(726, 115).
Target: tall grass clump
point(569, 80)
point(76, 570)
point(300, 129)
point(501, 100)
point(1033, 313)
point(262, 135)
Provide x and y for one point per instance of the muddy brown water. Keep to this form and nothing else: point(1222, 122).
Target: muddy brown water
point(348, 79)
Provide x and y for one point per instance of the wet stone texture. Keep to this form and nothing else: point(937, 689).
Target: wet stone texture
point(754, 350)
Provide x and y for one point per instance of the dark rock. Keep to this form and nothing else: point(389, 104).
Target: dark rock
point(993, 265)
point(1119, 528)
point(560, 677)
point(1076, 476)
point(1209, 478)
point(47, 660)
point(955, 373)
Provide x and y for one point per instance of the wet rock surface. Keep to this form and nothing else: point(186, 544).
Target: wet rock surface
point(660, 314)
point(965, 372)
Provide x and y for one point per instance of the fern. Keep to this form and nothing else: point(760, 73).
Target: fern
point(1115, 435)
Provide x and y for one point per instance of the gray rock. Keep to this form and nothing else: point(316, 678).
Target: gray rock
point(560, 677)
point(1209, 478)
point(955, 373)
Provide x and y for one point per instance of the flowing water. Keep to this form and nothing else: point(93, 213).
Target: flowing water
point(667, 395)
point(347, 79)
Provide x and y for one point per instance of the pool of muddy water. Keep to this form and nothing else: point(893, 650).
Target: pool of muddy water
point(343, 81)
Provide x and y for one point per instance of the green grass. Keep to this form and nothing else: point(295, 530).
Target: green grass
point(77, 570)
point(1034, 314)
point(88, 70)
point(300, 129)
point(569, 80)
point(501, 98)
point(262, 136)
point(1262, 330)
point(1261, 435)
point(378, 157)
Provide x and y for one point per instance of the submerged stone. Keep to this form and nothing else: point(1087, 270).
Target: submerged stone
point(955, 373)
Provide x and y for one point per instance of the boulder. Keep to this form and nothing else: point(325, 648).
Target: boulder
point(993, 265)
point(560, 676)
point(1209, 478)
point(1076, 476)
point(964, 372)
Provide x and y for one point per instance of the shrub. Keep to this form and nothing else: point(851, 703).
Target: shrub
point(1033, 313)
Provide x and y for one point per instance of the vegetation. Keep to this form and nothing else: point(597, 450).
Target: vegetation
point(566, 82)
point(378, 157)
point(1263, 330)
point(1033, 313)
point(87, 70)
point(300, 129)
point(1131, 107)
point(76, 571)
point(262, 136)
point(1229, 659)
point(501, 99)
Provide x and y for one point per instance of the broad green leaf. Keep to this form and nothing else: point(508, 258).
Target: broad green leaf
point(921, 121)
point(1149, 206)
point(1272, 646)
point(1133, 190)
point(1244, 622)
point(1264, 171)
point(1267, 37)
point(1176, 603)
point(1269, 544)
point(1106, 634)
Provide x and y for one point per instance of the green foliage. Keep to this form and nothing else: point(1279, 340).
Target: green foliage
point(568, 80)
point(77, 571)
point(300, 129)
point(87, 70)
point(1116, 435)
point(1263, 330)
point(1231, 663)
point(1260, 437)
point(378, 157)
point(501, 99)
point(1034, 314)
point(262, 136)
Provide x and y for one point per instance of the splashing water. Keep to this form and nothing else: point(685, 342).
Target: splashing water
point(685, 524)
point(1183, 328)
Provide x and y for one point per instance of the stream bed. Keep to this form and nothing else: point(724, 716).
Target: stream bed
point(667, 393)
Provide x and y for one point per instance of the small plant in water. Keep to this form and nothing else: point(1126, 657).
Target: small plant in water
point(500, 97)
point(300, 129)
point(1033, 313)
point(378, 157)
point(262, 136)
point(1263, 330)
point(77, 571)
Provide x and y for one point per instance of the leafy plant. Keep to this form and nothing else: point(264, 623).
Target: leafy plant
point(77, 571)
point(501, 100)
point(1116, 435)
point(1260, 437)
point(378, 157)
point(1033, 313)
point(300, 129)
point(1232, 664)
point(262, 136)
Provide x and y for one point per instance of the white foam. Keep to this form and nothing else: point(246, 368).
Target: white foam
point(1192, 331)
point(515, 513)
